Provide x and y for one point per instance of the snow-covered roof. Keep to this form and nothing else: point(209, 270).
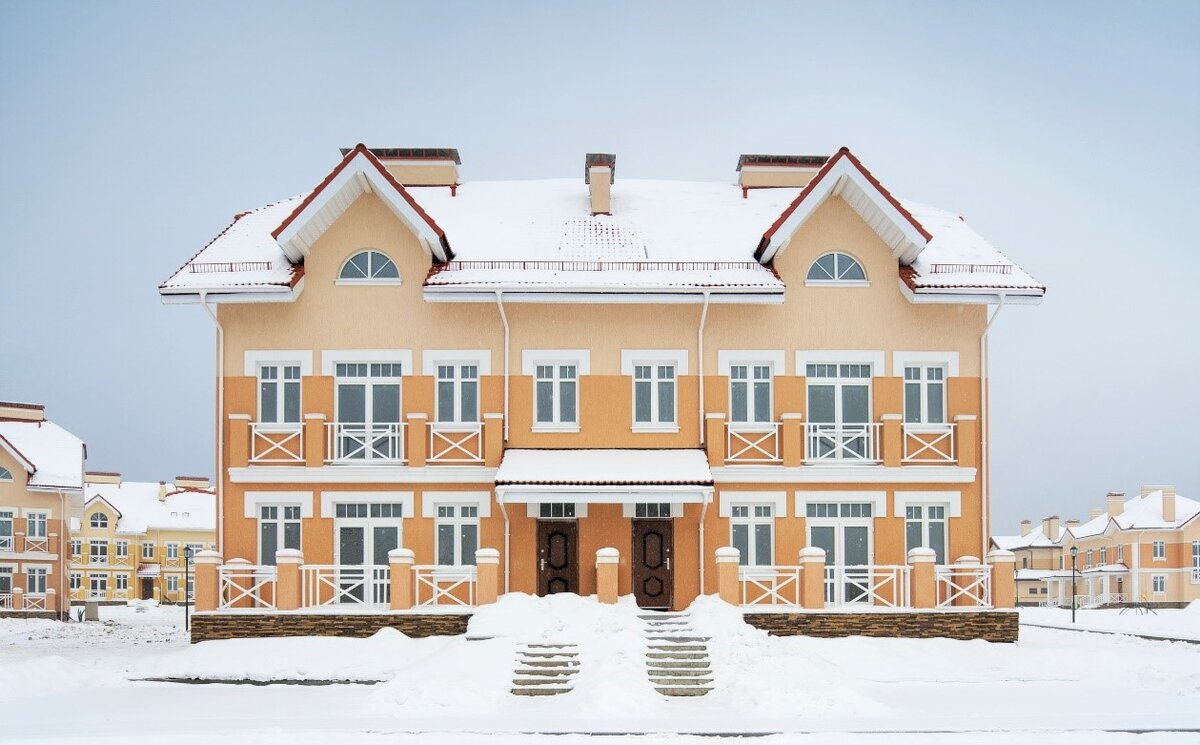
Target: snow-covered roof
point(1035, 538)
point(604, 467)
point(1141, 513)
point(1036, 574)
point(141, 510)
point(52, 456)
point(1107, 569)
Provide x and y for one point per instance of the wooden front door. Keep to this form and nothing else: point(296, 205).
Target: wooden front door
point(147, 588)
point(558, 556)
point(653, 578)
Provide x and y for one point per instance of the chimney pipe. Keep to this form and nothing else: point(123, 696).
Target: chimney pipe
point(1050, 527)
point(1026, 526)
point(1116, 503)
point(162, 491)
point(1168, 502)
point(599, 173)
point(1094, 513)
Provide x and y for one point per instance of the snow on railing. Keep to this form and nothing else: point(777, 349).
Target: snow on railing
point(967, 585)
point(211, 267)
point(752, 442)
point(770, 585)
point(455, 443)
point(837, 443)
point(867, 584)
point(331, 584)
point(971, 269)
point(250, 585)
point(447, 585)
point(929, 443)
point(276, 443)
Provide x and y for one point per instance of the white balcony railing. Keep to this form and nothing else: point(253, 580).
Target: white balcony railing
point(834, 443)
point(867, 584)
point(770, 585)
point(246, 584)
point(929, 443)
point(329, 584)
point(350, 442)
point(455, 443)
point(445, 585)
point(37, 543)
point(6, 601)
point(7, 543)
point(276, 443)
point(1195, 575)
point(752, 442)
point(967, 585)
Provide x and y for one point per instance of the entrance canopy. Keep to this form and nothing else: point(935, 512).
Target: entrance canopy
point(603, 476)
point(148, 570)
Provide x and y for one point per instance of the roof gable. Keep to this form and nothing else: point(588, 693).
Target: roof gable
point(98, 500)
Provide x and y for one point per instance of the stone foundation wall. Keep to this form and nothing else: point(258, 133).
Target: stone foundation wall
point(992, 626)
point(208, 626)
point(48, 614)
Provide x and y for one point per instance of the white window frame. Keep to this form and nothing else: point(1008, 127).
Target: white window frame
point(368, 280)
point(655, 379)
point(148, 550)
point(1088, 561)
point(38, 517)
point(923, 381)
point(456, 380)
point(10, 516)
point(281, 520)
point(252, 359)
point(1158, 550)
point(172, 550)
point(281, 369)
point(121, 581)
point(1196, 562)
point(750, 369)
point(76, 548)
point(925, 520)
point(121, 550)
point(750, 515)
point(75, 581)
point(92, 520)
point(92, 553)
point(1103, 555)
point(556, 380)
point(457, 515)
point(1120, 553)
point(172, 583)
point(94, 579)
point(834, 282)
point(1157, 581)
point(5, 474)
point(41, 584)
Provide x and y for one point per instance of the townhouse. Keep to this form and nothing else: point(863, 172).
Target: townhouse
point(41, 489)
point(135, 539)
point(416, 371)
point(1038, 553)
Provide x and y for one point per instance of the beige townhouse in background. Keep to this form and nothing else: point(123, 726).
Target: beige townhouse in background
point(1038, 550)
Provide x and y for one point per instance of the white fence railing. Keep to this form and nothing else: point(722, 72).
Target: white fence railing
point(37, 543)
point(841, 443)
point(770, 585)
point(967, 585)
point(330, 584)
point(867, 584)
point(6, 601)
point(752, 442)
point(35, 601)
point(929, 443)
point(253, 584)
point(1195, 574)
point(455, 443)
point(445, 585)
point(348, 442)
point(7, 543)
point(276, 443)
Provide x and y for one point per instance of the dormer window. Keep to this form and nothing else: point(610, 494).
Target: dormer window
point(369, 267)
point(836, 268)
point(99, 520)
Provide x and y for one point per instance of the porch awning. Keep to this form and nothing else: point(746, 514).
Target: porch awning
point(149, 570)
point(604, 476)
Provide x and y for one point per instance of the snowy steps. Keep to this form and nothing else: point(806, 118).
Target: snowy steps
point(545, 669)
point(677, 662)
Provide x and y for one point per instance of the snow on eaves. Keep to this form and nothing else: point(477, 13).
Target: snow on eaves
point(141, 509)
point(56, 455)
point(604, 467)
point(1035, 538)
point(1141, 513)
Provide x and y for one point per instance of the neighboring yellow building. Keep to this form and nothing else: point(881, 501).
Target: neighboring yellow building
point(1037, 552)
point(132, 540)
point(41, 488)
point(548, 368)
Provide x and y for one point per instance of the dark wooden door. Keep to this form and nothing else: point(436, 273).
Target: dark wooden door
point(653, 578)
point(147, 588)
point(558, 556)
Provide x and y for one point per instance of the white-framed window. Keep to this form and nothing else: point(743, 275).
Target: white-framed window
point(369, 267)
point(172, 551)
point(752, 533)
point(76, 548)
point(191, 586)
point(37, 524)
point(653, 509)
point(148, 550)
point(6, 530)
point(1088, 563)
point(653, 395)
point(457, 393)
point(564, 510)
point(97, 585)
point(750, 392)
point(172, 583)
point(925, 394)
point(1120, 553)
point(1160, 550)
point(925, 527)
point(839, 411)
point(367, 409)
point(1160, 583)
point(122, 581)
point(1196, 561)
point(279, 393)
point(98, 521)
point(97, 552)
point(457, 536)
point(556, 395)
point(35, 580)
point(121, 550)
point(278, 527)
point(5, 474)
point(1103, 555)
point(76, 581)
point(836, 267)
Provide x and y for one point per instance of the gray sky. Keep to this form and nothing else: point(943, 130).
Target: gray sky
point(1067, 133)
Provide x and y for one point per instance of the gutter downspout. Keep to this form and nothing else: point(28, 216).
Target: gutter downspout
point(985, 425)
point(64, 537)
point(220, 475)
point(700, 372)
point(504, 320)
point(703, 511)
point(507, 535)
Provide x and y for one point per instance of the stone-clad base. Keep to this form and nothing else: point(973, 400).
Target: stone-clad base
point(47, 614)
point(208, 626)
point(992, 626)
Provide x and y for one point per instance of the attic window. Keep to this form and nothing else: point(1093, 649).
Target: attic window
point(836, 268)
point(5, 475)
point(99, 520)
point(369, 267)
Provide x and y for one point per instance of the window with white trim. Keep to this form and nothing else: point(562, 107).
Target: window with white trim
point(121, 550)
point(653, 395)
point(556, 395)
point(750, 393)
point(122, 581)
point(6, 530)
point(148, 550)
point(98, 521)
point(1196, 561)
point(652, 509)
point(367, 410)
point(278, 527)
point(925, 394)
point(97, 552)
point(369, 267)
point(1103, 555)
point(5, 474)
point(836, 267)
point(457, 527)
point(1160, 584)
point(191, 586)
point(172, 552)
point(37, 524)
point(76, 581)
point(752, 533)
point(97, 585)
point(278, 394)
point(556, 509)
point(35, 580)
point(1160, 550)
point(925, 527)
point(172, 583)
point(1120, 553)
point(1088, 563)
point(76, 548)
point(457, 393)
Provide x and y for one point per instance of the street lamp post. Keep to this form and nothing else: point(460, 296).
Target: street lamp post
point(1074, 553)
point(187, 581)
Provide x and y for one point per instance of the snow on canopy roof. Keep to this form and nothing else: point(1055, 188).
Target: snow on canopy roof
point(141, 510)
point(1141, 513)
point(1035, 538)
point(52, 456)
point(601, 467)
point(1036, 574)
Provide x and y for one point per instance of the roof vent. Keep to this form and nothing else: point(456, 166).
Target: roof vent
point(760, 171)
point(420, 166)
point(599, 173)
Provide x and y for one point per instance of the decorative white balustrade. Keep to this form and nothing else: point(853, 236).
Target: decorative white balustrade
point(752, 442)
point(37, 543)
point(348, 442)
point(246, 585)
point(276, 443)
point(841, 443)
point(770, 585)
point(35, 601)
point(455, 443)
point(963, 585)
point(7, 543)
point(929, 443)
point(331, 584)
point(868, 584)
point(445, 585)
point(6, 601)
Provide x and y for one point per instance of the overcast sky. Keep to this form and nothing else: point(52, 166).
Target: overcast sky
point(1068, 134)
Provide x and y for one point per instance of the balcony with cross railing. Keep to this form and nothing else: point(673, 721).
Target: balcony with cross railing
point(356, 442)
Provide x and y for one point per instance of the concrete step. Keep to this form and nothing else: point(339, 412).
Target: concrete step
point(542, 682)
point(671, 691)
point(679, 672)
point(678, 664)
point(677, 639)
point(544, 673)
point(673, 655)
point(533, 645)
point(550, 663)
point(548, 655)
point(660, 616)
point(669, 680)
point(539, 691)
point(678, 647)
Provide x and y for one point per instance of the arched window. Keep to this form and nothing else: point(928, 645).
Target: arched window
point(5, 475)
point(369, 267)
point(836, 267)
point(99, 520)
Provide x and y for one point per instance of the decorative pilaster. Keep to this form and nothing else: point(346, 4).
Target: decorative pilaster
point(607, 560)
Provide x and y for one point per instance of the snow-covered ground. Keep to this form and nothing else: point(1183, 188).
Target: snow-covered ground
point(1178, 624)
point(78, 683)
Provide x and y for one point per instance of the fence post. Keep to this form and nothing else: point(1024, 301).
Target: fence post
point(714, 434)
point(792, 435)
point(287, 578)
point(401, 563)
point(893, 440)
point(922, 578)
point(607, 560)
point(1004, 578)
point(727, 574)
point(18, 598)
point(487, 576)
point(418, 439)
point(314, 440)
point(812, 577)
point(208, 584)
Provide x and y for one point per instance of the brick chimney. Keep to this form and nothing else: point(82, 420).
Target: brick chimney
point(1094, 513)
point(1026, 526)
point(13, 410)
point(1051, 528)
point(162, 491)
point(761, 171)
point(599, 173)
point(1168, 501)
point(1116, 503)
point(191, 482)
point(1073, 522)
point(102, 477)
point(420, 166)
